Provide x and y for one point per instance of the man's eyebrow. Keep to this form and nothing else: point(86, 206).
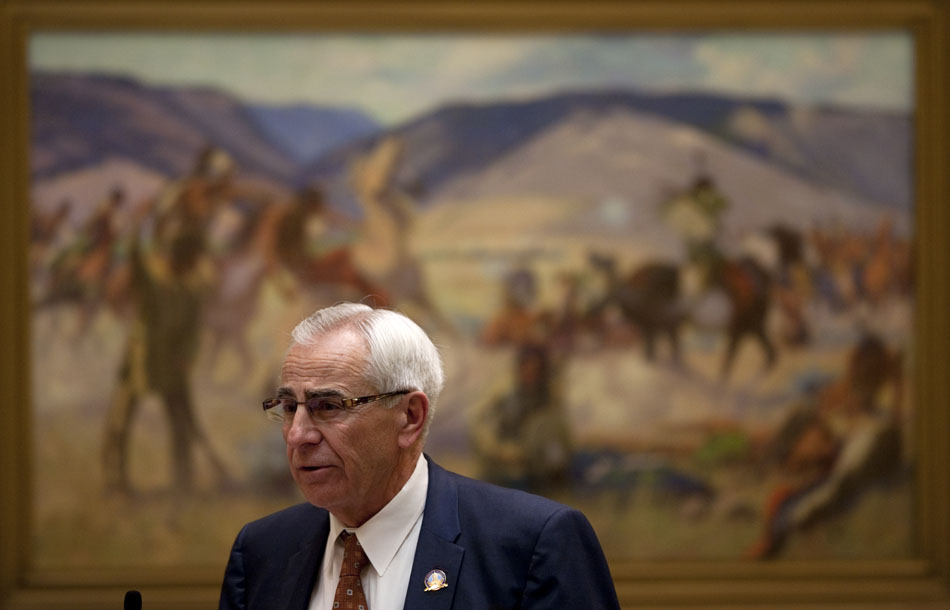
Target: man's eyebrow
point(322, 394)
point(288, 391)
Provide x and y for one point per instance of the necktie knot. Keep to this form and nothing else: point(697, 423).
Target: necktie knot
point(354, 557)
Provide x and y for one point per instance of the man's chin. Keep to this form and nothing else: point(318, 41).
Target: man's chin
point(318, 486)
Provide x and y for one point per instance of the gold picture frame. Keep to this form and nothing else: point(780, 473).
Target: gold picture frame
point(920, 582)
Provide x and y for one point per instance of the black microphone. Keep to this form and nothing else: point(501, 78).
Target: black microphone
point(133, 601)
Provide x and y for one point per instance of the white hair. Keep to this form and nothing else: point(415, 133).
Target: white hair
point(400, 354)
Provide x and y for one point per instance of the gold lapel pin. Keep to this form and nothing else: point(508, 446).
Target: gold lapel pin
point(435, 580)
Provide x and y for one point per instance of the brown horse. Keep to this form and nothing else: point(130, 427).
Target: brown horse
point(748, 288)
point(648, 298)
point(273, 237)
point(295, 248)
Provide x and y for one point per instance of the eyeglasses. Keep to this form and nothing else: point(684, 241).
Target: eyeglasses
point(322, 409)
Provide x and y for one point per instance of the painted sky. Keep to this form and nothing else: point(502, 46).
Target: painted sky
point(394, 78)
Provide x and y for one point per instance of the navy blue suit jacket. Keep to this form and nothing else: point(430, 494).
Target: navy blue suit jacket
point(499, 548)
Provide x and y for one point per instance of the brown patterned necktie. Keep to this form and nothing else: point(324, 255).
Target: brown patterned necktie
point(349, 591)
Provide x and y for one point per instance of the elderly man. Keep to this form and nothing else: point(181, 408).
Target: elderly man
point(385, 527)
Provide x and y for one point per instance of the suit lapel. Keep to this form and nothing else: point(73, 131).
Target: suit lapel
point(301, 570)
point(436, 549)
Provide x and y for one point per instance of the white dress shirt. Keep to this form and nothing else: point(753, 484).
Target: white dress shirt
point(389, 539)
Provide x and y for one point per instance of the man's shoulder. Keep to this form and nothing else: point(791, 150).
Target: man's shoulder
point(294, 519)
point(508, 527)
point(504, 504)
point(504, 495)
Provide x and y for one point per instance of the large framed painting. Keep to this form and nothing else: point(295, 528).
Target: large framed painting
point(685, 264)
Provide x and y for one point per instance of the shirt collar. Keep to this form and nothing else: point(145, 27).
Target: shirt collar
point(385, 532)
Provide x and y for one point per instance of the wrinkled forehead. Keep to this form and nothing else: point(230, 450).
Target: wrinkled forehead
point(334, 361)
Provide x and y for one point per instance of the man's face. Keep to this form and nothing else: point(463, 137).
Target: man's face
point(346, 466)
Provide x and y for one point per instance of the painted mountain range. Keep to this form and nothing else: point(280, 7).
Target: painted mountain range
point(556, 144)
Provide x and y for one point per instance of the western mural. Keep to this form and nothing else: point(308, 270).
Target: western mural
point(670, 277)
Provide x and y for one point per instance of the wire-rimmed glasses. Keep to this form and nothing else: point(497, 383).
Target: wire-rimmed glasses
point(321, 409)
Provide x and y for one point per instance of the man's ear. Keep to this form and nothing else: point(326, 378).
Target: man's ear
point(416, 411)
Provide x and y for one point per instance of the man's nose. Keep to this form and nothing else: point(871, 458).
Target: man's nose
point(302, 430)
